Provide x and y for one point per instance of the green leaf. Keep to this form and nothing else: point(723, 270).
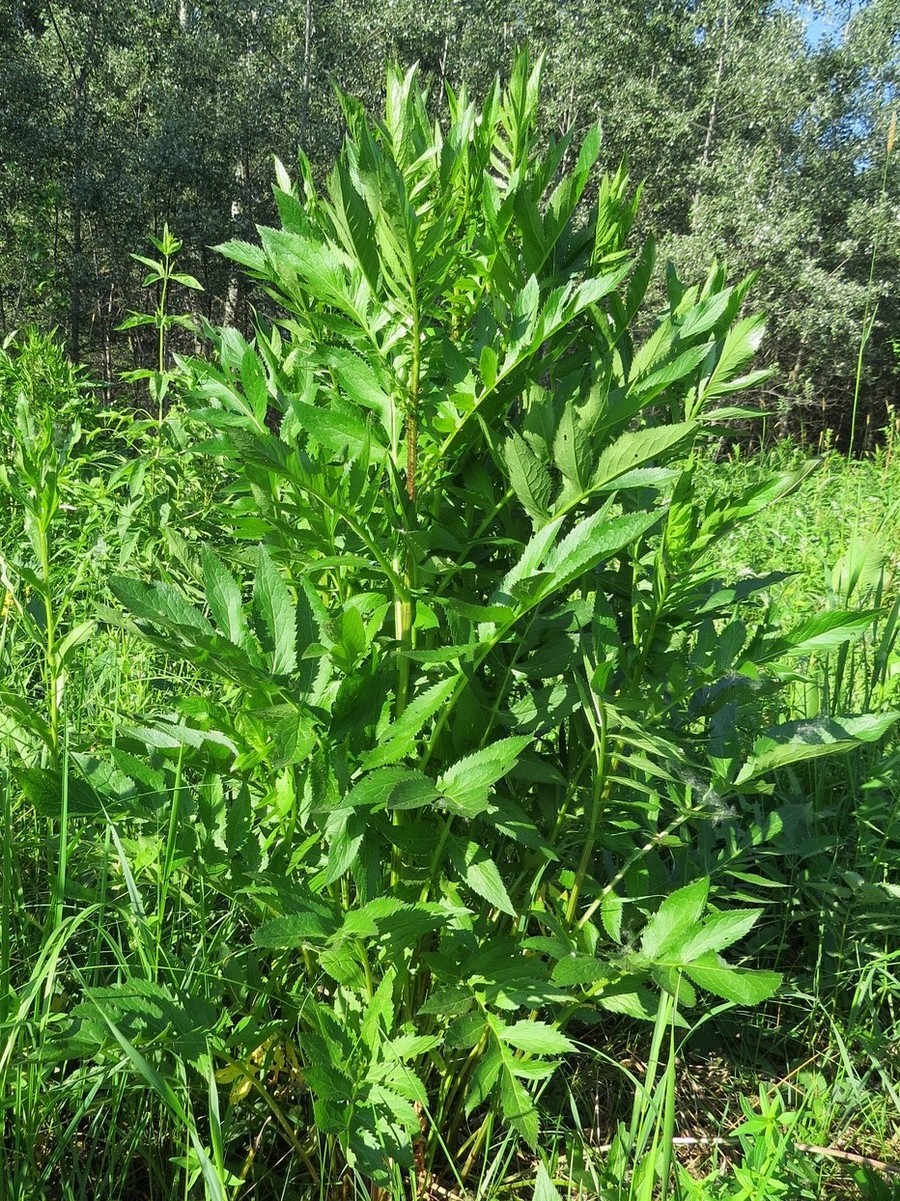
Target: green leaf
point(399, 739)
point(674, 918)
point(720, 930)
point(635, 449)
point(253, 382)
point(316, 924)
point(137, 319)
point(75, 638)
point(544, 1188)
point(223, 597)
point(473, 864)
point(591, 542)
point(187, 281)
point(159, 603)
point(467, 784)
point(338, 428)
point(487, 367)
point(518, 1108)
point(741, 344)
point(635, 1002)
point(797, 741)
point(570, 450)
point(820, 634)
point(484, 1077)
point(704, 315)
point(390, 787)
point(244, 253)
point(273, 604)
point(647, 389)
point(611, 910)
point(741, 986)
point(536, 1038)
point(580, 969)
point(528, 476)
point(345, 831)
point(529, 562)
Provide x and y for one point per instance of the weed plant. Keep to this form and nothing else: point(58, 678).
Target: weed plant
point(425, 737)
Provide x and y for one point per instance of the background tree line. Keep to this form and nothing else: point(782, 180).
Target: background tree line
point(755, 143)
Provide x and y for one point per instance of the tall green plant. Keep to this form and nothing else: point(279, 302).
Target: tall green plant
point(481, 683)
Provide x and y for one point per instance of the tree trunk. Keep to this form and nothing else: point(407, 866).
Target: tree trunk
point(81, 74)
point(307, 73)
point(232, 296)
point(714, 106)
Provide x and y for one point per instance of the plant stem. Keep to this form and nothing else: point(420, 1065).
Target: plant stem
point(595, 712)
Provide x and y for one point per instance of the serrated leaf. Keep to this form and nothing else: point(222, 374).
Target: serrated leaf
point(399, 738)
point(253, 382)
point(316, 924)
point(273, 604)
point(635, 449)
point(741, 344)
point(244, 253)
point(159, 603)
point(591, 542)
point(223, 597)
point(529, 562)
point(704, 315)
point(637, 1002)
point(409, 1046)
point(518, 1108)
point(528, 476)
point(742, 986)
point(536, 1038)
point(647, 389)
point(579, 969)
point(611, 910)
point(820, 634)
point(360, 383)
point(338, 428)
point(346, 830)
point(448, 1001)
point(467, 784)
point(484, 1077)
point(391, 787)
point(719, 930)
point(570, 450)
point(675, 916)
point(136, 319)
point(473, 864)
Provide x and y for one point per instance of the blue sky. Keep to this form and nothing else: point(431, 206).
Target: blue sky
point(826, 21)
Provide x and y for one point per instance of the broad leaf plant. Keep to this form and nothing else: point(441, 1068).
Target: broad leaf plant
point(479, 701)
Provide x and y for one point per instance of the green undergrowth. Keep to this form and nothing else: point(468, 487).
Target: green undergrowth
point(844, 507)
point(418, 764)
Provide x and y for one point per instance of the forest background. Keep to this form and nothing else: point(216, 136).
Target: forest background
point(760, 131)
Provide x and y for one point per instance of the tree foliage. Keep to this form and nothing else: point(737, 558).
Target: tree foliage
point(755, 146)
